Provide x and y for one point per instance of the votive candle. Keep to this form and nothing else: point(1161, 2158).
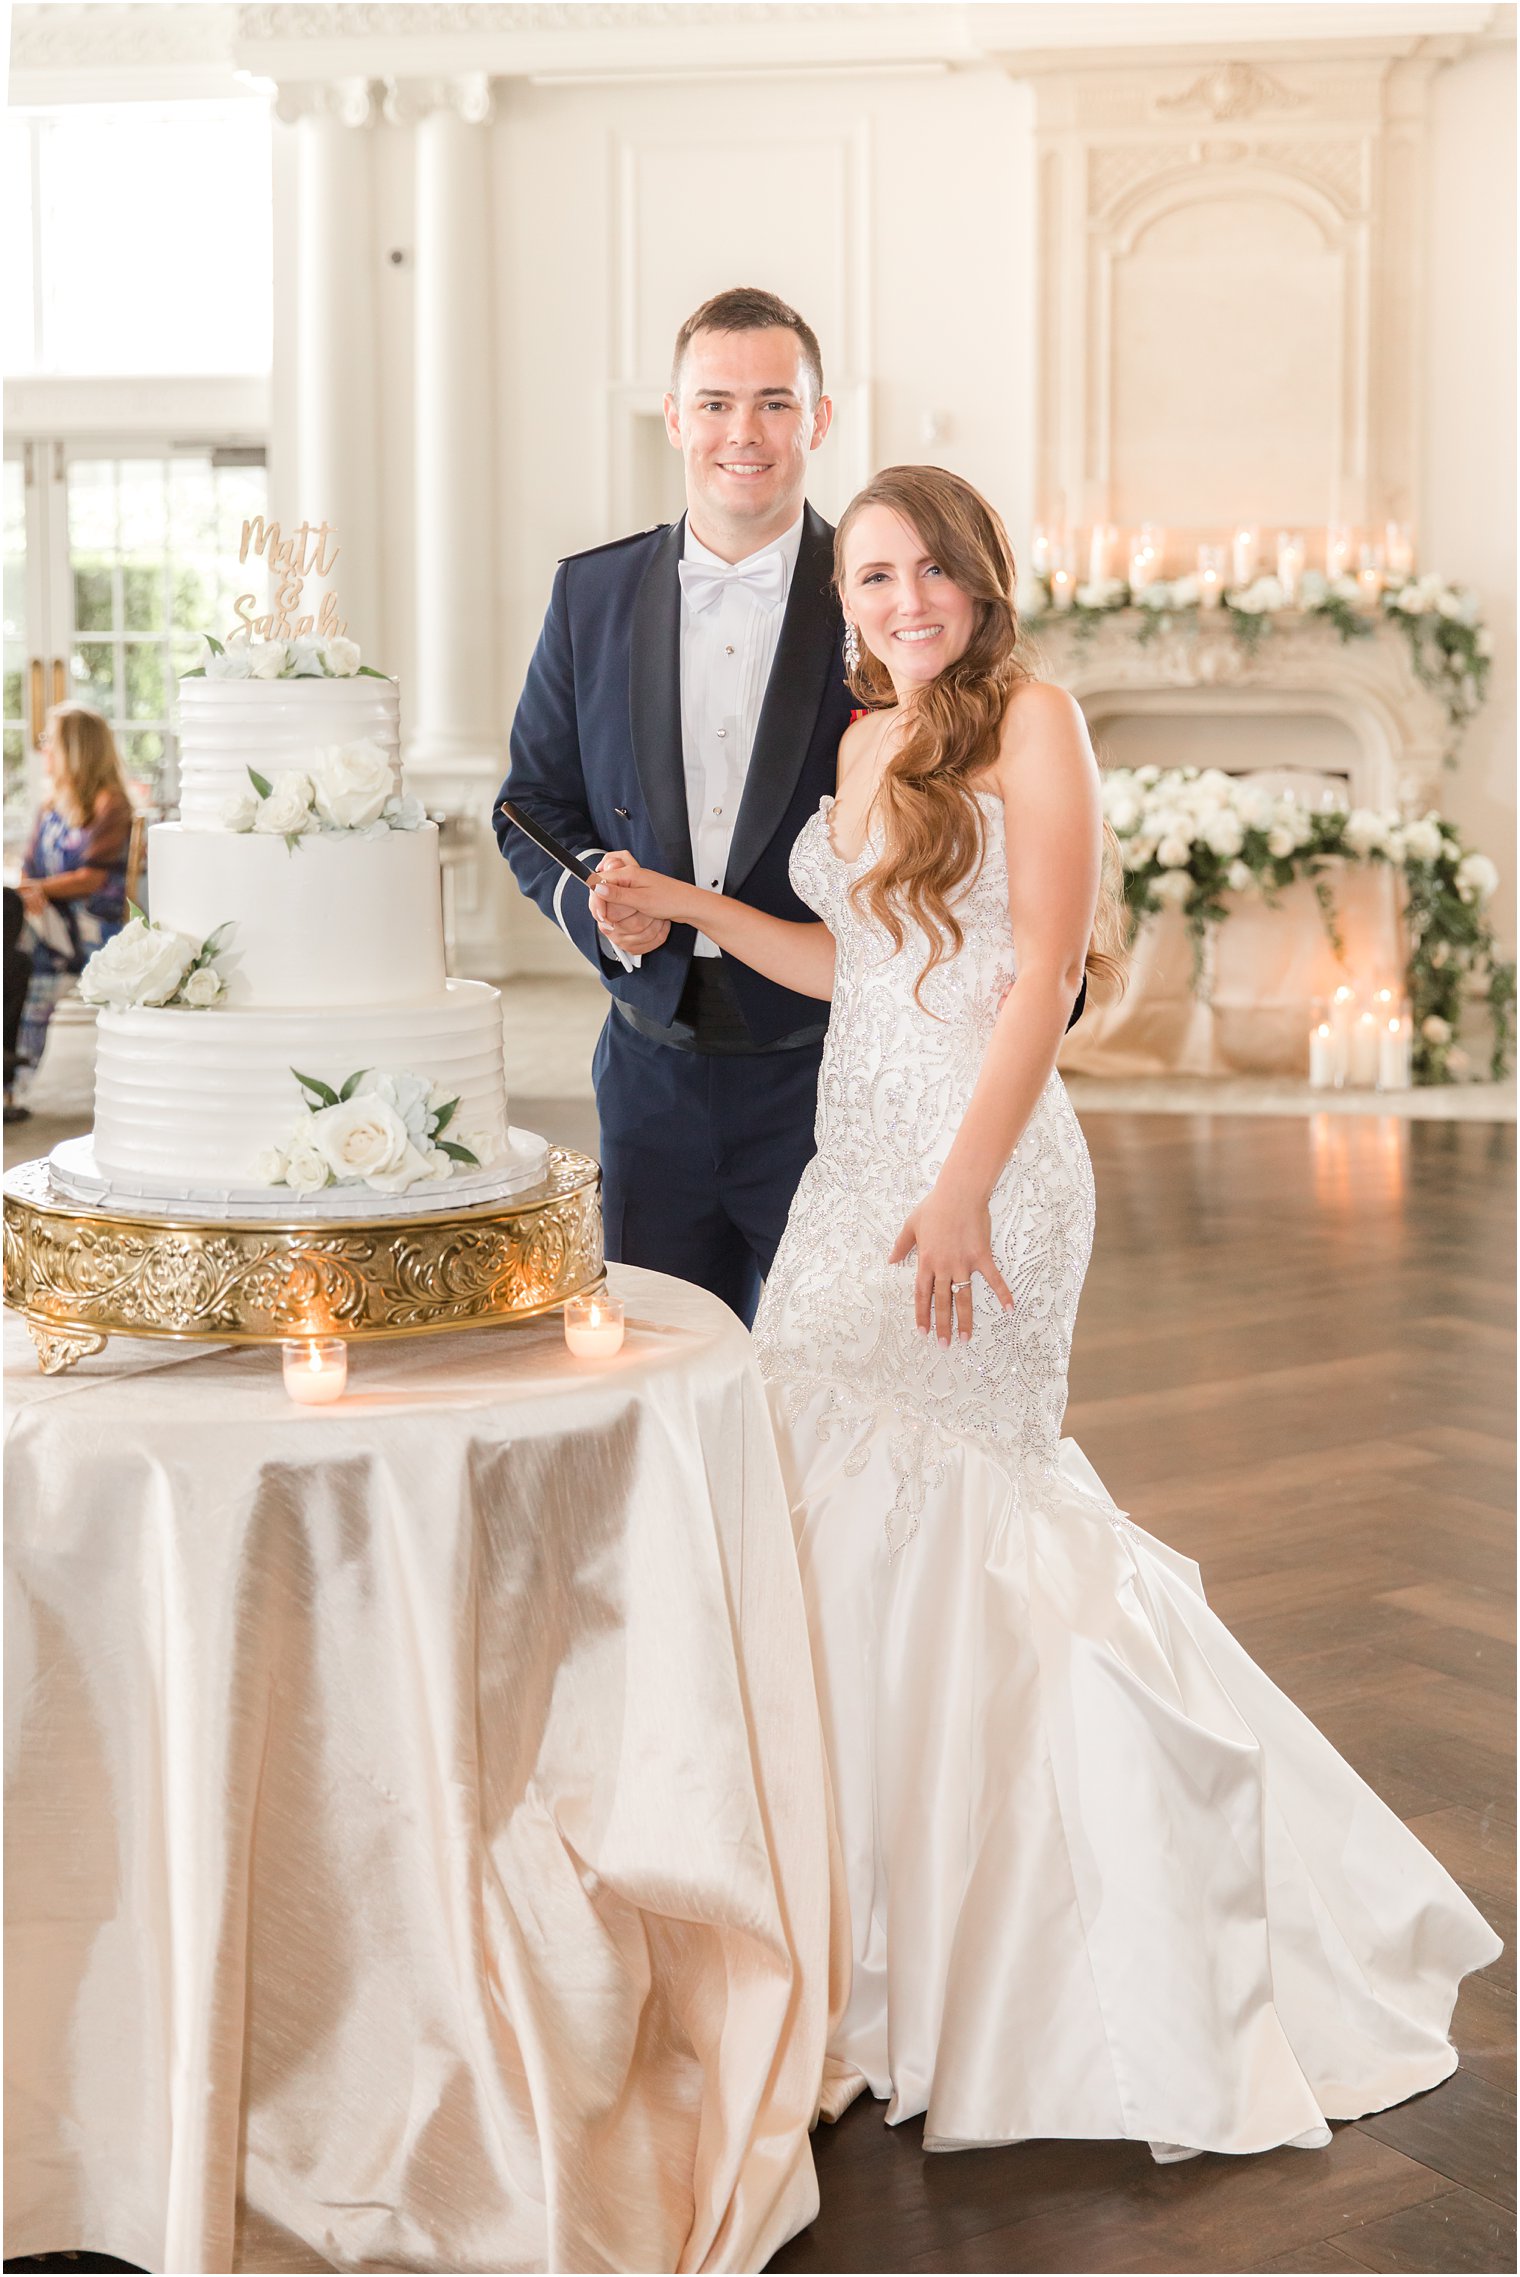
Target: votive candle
point(1062, 584)
point(1290, 563)
point(1210, 576)
point(1323, 1057)
point(594, 1326)
point(1398, 549)
point(1395, 1070)
point(1339, 540)
point(1364, 1051)
point(315, 1369)
point(1039, 549)
point(1244, 548)
point(1369, 573)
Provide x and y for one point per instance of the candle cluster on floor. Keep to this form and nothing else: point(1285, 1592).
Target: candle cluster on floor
point(1361, 1040)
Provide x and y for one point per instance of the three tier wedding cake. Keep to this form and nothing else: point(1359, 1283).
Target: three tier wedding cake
point(278, 1036)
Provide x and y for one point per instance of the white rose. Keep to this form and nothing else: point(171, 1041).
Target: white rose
point(341, 657)
point(1255, 806)
point(1124, 811)
point(1312, 588)
point(1476, 876)
point(1435, 1030)
point(1422, 840)
point(266, 660)
point(203, 987)
point(287, 810)
point(303, 660)
point(269, 1166)
point(1281, 841)
point(361, 1137)
point(305, 1169)
point(240, 813)
point(482, 1148)
point(1148, 777)
point(1138, 851)
point(1242, 877)
point(1409, 600)
point(233, 663)
point(406, 814)
point(1174, 888)
point(1174, 852)
point(411, 1165)
point(1345, 588)
point(351, 784)
point(437, 1164)
point(1223, 835)
point(142, 964)
point(1366, 831)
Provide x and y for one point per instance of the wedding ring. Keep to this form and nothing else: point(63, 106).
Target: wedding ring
point(958, 1285)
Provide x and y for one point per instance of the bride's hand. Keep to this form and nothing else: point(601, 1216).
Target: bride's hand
point(624, 892)
point(953, 1237)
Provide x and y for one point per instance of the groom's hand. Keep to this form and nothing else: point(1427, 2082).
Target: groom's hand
point(616, 919)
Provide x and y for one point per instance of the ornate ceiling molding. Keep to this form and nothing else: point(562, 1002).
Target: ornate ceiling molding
point(467, 94)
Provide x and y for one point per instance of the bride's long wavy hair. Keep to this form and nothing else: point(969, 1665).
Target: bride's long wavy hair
point(933, 828)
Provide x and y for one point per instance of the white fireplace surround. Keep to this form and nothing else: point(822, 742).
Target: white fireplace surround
point(1392, 729)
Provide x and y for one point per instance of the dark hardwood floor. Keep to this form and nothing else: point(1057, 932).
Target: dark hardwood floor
point(1294, 1362)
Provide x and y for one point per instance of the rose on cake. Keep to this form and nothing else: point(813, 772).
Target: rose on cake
point(151, 964)
point(351, 784)
point(142, 964)
point(285, 806)
point(379, 1129)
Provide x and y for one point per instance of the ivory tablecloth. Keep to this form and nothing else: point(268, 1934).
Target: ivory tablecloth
point(417, 1835)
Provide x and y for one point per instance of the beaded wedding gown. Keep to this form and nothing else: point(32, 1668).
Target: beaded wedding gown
point(1104, 1879)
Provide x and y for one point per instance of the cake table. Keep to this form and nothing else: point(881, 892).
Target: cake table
point(417, 1811)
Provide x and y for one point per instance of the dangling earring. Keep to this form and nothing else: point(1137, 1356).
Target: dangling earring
point(851, 645)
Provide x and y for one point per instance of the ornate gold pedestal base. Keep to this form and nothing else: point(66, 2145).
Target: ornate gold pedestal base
point(81, 1275)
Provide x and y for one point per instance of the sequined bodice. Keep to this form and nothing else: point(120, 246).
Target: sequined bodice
point(896, 1079)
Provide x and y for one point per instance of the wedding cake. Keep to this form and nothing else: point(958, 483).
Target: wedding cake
point(278, 1036)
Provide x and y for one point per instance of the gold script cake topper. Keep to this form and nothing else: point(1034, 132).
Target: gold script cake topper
point(309, 551)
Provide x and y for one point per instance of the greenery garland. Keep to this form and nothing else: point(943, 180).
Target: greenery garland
point(1190, 837)
point(1450, 649)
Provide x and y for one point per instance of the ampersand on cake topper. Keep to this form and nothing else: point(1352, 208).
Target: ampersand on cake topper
point(309, 551)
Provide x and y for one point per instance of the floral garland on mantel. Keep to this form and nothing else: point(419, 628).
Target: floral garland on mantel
point(1450, 649)
point(1189, 836)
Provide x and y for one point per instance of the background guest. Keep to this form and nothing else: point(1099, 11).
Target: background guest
point(74, 873)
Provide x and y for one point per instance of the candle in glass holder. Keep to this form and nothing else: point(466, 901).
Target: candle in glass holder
point(1145, 550)
point(1101, 549)
point(1323, 1057)
point(1395, 1070)
point(1040, 541)
point(1210, 576)
point(315, 1369)
point(1244, 548)
point(1291, 552)
point(1339, 540)
point(1362, 1072)
point(594, 1325)
point(1398, 549)
point(1369, 573)
point(1062, 585)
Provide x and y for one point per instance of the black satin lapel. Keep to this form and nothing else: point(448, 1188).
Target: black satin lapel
point(806, 653)
point(654, 700)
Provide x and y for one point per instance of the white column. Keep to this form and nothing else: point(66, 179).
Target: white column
point(336, 457)
point(452, 702)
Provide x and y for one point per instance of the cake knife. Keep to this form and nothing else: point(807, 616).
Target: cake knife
point(547, 844)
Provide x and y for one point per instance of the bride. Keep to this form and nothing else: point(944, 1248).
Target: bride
point(1104, 1879)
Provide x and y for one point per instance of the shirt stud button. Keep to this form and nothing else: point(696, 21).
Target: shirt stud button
point(728, 650)
point(717, 810)
point(722, 732)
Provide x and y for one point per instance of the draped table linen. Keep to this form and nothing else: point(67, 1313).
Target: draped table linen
point(418, 1838)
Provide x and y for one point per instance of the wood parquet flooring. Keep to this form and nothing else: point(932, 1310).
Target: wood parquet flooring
point(1294, 1362)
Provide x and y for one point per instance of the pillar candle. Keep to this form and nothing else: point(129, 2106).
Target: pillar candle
point(1244, 547)
point(1322, 1057)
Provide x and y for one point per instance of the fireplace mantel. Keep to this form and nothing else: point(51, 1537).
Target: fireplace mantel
point(1301, 668)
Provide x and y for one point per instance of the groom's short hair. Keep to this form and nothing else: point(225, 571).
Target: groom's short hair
point(746, 308)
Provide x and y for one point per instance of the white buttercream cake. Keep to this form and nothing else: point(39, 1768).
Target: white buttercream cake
point(280, 1037)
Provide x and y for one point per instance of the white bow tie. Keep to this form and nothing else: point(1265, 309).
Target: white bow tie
point(704, 583)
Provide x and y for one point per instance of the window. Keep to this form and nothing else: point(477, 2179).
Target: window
point(142, 238)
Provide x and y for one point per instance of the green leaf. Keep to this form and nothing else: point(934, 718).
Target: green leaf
point(353, 1083)
point(368, 672)
point(261, 783)
point(445, 1117)
point(196, 672)
point(322, 1092)
point(134, 911)
point(214, 644)
point(458, 1153)
point(212, 945)
point(292, 840)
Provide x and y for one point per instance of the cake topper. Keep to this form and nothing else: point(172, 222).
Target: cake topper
point(309, 551)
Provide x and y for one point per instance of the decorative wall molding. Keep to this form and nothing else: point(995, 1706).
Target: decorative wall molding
point(352, 102)
point(1233, 91)
point(467, 94)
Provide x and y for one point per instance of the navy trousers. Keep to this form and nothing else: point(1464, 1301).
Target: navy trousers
point(701, 1154)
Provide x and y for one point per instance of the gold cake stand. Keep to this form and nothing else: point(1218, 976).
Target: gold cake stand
point(78, 1274)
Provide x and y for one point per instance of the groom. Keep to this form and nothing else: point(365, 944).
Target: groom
point(685, 702)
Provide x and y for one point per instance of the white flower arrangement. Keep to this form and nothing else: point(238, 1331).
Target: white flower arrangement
point(380, 1131)
point(349, 790)
point(305, 659)
point(1189, 837)
point(151, 964)
point(1450, 649)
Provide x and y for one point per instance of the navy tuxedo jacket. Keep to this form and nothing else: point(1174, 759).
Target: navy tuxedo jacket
point(597, 755)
